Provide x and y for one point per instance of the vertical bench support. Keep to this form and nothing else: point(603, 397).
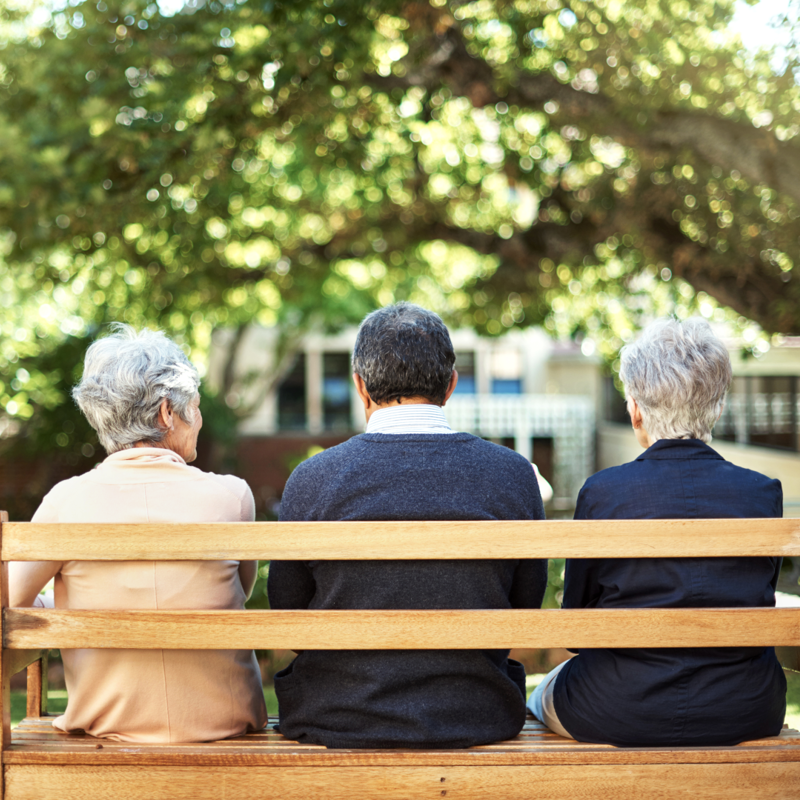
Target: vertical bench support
point(37, 688)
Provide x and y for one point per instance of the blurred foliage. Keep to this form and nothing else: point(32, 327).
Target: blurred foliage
point(295, 164)
point(555, 583)
point(294, 461)
point(258, 598)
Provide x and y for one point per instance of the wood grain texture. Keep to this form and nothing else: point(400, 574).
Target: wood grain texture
point(35, 741)
point(19, 660)
point(397, 630)
point(40, 762)
point(36, 698)
point(588, 782)
point(25, 541)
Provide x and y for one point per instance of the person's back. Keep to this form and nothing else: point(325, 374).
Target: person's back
point(154, 695)
point(675, 376)
point(408, 466)
point(692, 696)
point(139, 392)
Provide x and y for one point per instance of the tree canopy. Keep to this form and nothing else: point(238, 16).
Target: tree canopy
point(298, 162)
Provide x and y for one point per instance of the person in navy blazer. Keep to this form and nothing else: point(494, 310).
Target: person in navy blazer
point(675, 376)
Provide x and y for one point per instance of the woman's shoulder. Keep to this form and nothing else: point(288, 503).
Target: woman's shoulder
point(232, 483)
point(62, 494)
point(605, 493)
point(709, 487)
point(237, 488)
point(610, 476)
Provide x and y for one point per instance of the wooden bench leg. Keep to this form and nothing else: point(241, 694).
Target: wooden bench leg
point(37, 689)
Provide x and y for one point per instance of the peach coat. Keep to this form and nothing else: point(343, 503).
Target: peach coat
point(150, 695)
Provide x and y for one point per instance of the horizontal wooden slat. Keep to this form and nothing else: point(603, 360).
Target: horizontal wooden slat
point(390, 630)
point(212, 755)
point(36, 742)
point(550, 782)
point(402, 540)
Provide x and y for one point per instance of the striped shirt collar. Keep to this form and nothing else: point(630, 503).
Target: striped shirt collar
point(409, 418)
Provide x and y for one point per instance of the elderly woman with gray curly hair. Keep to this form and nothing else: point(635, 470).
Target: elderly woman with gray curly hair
point(139, 392)
point(675, 376)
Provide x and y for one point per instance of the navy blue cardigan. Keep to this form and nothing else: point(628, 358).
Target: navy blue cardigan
point(415, 698)
point(701, 696)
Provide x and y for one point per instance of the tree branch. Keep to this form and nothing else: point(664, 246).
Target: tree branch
point(731, 145)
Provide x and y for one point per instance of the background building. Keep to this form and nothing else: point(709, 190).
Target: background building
point(522, 390)
point(548, 400)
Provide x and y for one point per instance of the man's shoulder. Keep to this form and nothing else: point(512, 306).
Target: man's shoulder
point(495, 453)
point(459, 447)
point(307, 493)
point(329, 459)
point(493, 450)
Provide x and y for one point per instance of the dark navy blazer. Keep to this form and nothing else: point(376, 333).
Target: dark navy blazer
point(700, 696)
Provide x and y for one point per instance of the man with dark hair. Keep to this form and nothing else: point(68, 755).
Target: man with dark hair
point(409, 465)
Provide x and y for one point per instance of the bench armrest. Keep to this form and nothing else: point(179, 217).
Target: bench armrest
point(15, 661)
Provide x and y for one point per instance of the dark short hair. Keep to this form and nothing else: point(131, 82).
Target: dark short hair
point(404, 350)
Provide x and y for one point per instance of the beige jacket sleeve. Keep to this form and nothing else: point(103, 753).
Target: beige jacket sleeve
point(27, 578)
point(248, 570)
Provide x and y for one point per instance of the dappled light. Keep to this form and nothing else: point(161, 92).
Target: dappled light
point(584, 166)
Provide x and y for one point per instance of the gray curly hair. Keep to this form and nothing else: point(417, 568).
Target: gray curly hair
point(404, 350)
point(125, 377)
point(678, 373)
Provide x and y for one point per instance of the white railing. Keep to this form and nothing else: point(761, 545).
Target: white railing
point(758, 413)
point(567, 419)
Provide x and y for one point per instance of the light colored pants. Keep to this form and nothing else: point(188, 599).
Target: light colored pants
point(541, 703)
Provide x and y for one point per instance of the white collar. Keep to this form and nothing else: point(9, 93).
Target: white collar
point(409, 418)
point(144, 455)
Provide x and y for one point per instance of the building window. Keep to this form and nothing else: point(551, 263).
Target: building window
point(336, 387)
point(465, 366)
point(506, 386)
point(506, 372)
point(761, 410)
point(292, 398)
point(543, 448)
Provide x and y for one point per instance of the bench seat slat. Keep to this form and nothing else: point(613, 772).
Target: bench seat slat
point(27, 628)
point(36, 742)
point(211, 757)
point(587, 782)
point(25, 541)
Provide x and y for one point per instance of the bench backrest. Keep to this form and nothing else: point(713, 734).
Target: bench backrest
point(26, 632)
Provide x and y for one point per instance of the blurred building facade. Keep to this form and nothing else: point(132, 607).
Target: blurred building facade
point(760, 423)
point(550, 401)
point(522, 390)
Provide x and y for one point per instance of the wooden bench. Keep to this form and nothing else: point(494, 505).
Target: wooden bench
point(38, 762)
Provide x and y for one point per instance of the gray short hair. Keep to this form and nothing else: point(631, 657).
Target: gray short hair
point(125, 377)
point(404, 350)
point(678, 373)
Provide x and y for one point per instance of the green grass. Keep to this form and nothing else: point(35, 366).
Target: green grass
point(56, 703)
point(793, 700)
point(57, 699)
point(272, 701)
